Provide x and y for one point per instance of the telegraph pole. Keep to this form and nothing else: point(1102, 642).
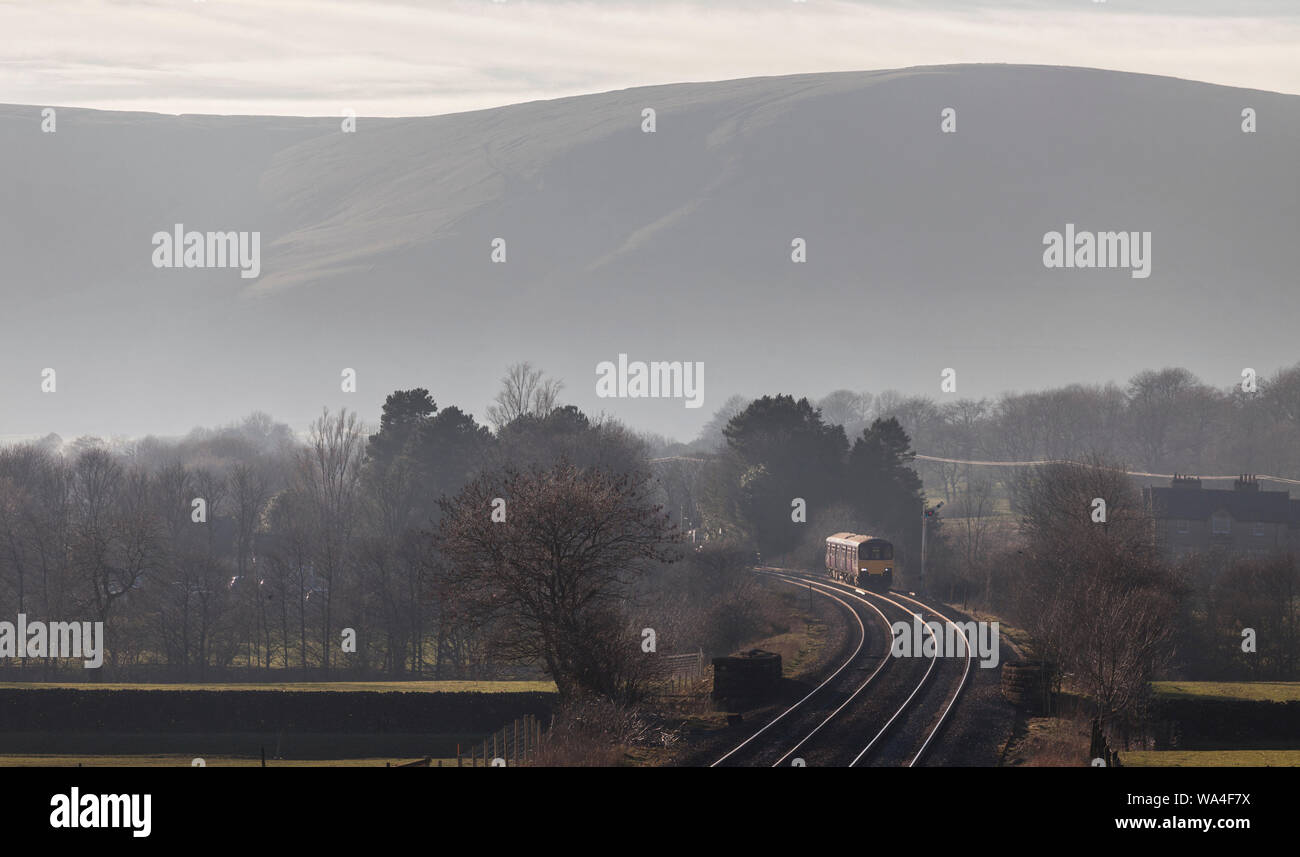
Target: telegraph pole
point(925, 519)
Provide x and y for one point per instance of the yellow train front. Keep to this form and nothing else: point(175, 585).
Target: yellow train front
point(864, 561)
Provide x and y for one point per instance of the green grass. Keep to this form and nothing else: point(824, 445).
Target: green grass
point(802, 643)
point(314, 686)
point(1211, 759)
point(796, 648)
point(174, 761)
point(1251, 691)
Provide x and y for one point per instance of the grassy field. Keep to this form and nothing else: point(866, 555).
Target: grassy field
point(1251, 691)
point(181, 761)
point(314, 686)
point(1212, 759)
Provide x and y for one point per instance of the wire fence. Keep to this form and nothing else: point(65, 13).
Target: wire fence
point(679, 673)
point(512, 745)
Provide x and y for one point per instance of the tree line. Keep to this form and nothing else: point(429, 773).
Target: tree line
point(549, 542)
point(249, 548)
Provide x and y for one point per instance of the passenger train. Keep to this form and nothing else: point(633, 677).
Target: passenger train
point(864, 561)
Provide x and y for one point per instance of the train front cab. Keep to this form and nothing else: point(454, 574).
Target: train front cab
point(876, 565)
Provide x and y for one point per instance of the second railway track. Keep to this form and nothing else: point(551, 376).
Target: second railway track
point(873, 709)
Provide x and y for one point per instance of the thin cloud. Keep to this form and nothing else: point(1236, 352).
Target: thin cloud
point(401, 59)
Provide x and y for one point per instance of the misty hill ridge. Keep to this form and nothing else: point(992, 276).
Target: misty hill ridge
point(924, 249)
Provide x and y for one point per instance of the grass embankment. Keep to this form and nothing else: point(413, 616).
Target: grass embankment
point(1017, 639)
point(799, 647)
point(800, 636)
point(1250, 691)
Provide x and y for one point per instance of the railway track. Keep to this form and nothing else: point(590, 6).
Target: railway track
point(836, 723)
point(796, 725)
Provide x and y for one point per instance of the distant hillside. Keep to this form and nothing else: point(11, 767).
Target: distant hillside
point(924, 248)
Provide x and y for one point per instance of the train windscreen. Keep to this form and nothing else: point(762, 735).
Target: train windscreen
point(876, 550)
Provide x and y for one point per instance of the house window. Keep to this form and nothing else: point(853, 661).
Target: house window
point(1182, 525)
point(1221, 524)
point(1258, 528)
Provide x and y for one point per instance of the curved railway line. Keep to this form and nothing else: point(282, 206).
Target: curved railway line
point(826, 728)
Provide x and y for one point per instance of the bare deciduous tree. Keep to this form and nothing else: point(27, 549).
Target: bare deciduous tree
point(552, 578)
point(846, 408)
point(971, 520)
point(524, 390)
point(1096, 598)
point(329, 477)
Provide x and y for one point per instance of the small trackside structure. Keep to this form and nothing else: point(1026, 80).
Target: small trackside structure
point(750, 675)
point(1027, 685)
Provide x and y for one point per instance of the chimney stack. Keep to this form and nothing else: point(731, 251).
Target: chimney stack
point(1246, 482)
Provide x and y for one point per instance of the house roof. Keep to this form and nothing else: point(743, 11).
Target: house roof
point(1198, 504)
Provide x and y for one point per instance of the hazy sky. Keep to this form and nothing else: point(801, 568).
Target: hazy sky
point(394, 58)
